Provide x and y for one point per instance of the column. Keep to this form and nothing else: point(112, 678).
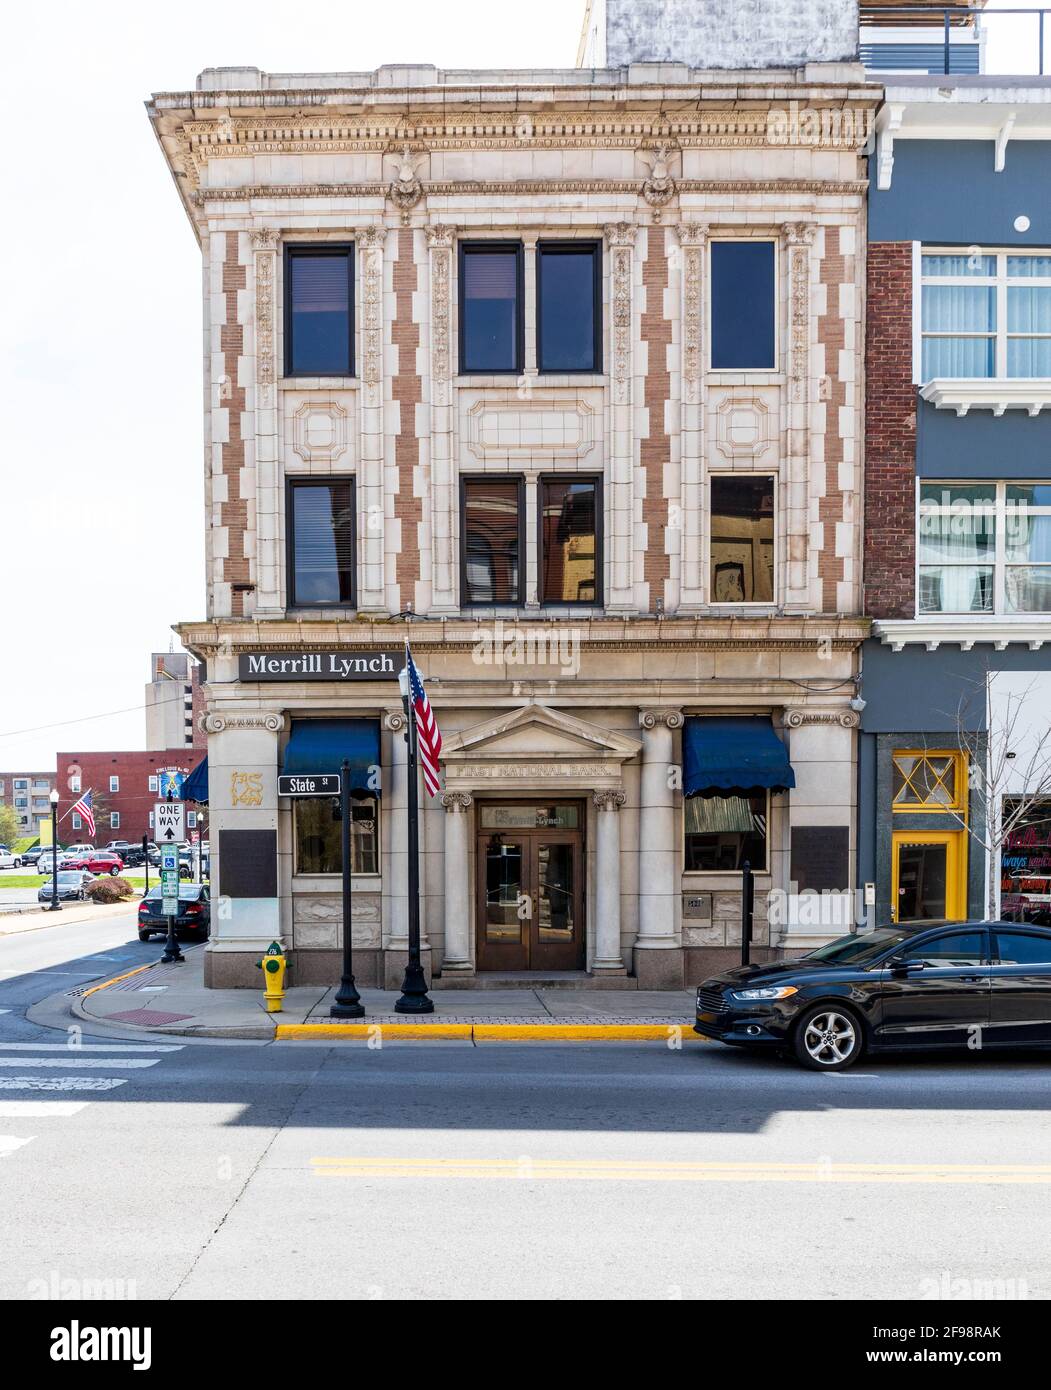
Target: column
point(372, 597)
point(269, 602)
point(692, 242)
point(620, 508)
point(395, 869)
point(441, 241)
point(658, 859)
point(458, 955)
point(607, 959)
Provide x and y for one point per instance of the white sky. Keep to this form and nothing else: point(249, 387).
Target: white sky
point(101, 505)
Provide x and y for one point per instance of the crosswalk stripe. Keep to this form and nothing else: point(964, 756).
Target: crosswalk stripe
point(9, 1144)
point(62, 1083)
point(115, 1047)
point(73, 1061)
point(40, 1109)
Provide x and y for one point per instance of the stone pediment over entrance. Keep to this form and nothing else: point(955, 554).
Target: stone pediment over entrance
point(536, 745)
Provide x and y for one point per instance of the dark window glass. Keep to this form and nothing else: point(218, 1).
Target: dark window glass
point(743, 305)
point(742, 546)
point(1019, 948)
point(319, 846)
point(723, 831)
point(491, 531)
point(490, 311)
point(319, 311)
point(568, 541)
point(322, 543)
point(568, 307)
point(961, 948)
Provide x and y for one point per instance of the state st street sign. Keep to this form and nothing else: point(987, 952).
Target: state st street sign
point(309, 784)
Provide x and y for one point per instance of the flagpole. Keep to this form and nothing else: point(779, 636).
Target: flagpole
point(414, 998)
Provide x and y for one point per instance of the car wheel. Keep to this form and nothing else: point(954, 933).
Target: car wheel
point(145, 935)
point(114, 871)
point(828, 1038)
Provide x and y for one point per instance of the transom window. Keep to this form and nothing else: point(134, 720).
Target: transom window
point(986, 314)
point(927, 781)
point(984, 548)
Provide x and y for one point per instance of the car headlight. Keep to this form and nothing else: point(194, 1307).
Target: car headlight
point(769, 992)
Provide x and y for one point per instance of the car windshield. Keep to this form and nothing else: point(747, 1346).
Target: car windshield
point(69, 878)
point(858, 950)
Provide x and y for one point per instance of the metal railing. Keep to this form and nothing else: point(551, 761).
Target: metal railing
point(949, 17)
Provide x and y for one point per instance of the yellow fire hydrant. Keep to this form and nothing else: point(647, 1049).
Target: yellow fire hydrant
point(273, 965)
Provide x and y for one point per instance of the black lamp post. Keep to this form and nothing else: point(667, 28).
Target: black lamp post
point(747, 908)
point(54, 905)
point(347, 1003)
point(414, 998)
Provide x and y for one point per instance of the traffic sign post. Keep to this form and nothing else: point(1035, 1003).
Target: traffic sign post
point(169, 818)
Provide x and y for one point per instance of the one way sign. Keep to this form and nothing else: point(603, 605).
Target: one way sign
point(169, 822)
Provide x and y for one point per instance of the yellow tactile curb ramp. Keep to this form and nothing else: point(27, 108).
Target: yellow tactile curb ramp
point(494, 1032)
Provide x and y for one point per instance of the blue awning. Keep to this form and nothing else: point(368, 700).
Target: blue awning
point(195, 786)
point(732, 757)
point(322, 745)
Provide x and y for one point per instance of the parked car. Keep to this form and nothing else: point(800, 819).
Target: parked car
point(31, 856)
point(194, 912)
point(84, 848)
point(119, 847)
point(931, 986)
point(97, 861)
point(45, 864)
point(72, 885)
point(188, 861)
point(9, 860)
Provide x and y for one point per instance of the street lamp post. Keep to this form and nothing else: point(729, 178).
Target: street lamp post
point(55, 905)
point(347, 1003)
point(414, 998)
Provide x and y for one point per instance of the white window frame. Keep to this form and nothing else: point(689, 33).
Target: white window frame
point(151, 820)
point(76, 822)
point(152, 784)
point(191, 820)
point(114, 783)
point(760, 605)
point(74, 785)
point(1000, 281)
point(1000, 565)
point(722, 373)
point(114, 820)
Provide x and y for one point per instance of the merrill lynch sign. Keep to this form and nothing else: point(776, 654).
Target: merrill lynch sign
point(320, 666)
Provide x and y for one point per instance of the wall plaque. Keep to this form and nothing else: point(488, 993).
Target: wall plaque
point(820, 858)
point(248, 863)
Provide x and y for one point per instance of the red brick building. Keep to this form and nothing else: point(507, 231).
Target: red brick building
point(124, 787)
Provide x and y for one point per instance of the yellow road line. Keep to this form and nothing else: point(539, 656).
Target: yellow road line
point(659, 1170)
point(496, 1032)
point(370, 1030)
point(117, 979)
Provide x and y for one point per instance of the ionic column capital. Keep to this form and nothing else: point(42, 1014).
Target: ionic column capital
point(651, 718)
point(609, 799)
point(457, 801)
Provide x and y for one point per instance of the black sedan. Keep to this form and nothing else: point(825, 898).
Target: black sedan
point(952, 985)
point(72, 886)
point(193, 917)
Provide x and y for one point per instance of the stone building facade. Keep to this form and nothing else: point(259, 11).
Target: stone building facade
point(684, 535)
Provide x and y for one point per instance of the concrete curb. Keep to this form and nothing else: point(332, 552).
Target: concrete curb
point(492, 1032)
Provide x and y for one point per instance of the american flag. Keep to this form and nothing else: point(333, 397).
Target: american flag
point(83, 808)
point(428, 735)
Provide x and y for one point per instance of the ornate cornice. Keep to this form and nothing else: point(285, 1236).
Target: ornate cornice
point(259, 719)
point(845, 718)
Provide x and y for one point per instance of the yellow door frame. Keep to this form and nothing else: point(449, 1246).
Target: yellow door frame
point(955, 842)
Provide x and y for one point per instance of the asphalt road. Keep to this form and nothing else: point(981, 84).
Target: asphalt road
point(444, 1170)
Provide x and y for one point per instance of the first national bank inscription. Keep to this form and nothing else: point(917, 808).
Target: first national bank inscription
point(320, 666)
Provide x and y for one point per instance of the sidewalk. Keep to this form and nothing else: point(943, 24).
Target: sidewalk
point(172, 999)
point(16, 920)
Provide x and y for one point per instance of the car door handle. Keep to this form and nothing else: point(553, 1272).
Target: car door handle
point(973, 979)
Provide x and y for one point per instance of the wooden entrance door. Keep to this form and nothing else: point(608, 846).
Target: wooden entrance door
point(530, 898)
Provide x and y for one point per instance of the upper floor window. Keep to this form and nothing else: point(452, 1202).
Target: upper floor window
point(319, 310)
point(321, 543)
point(492, 528)
point(984, 548)
point(491, 295)
point(21, 783)
point(114, 820)
point(742, 538)
point(114, 784)
point(986, 314)
point(569, 540)
point(744, 305)
point(152, 785)
point(569, 306)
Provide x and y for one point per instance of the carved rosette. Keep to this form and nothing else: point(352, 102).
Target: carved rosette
point(457, 801)
point(650, 718)
point(845, 718)
point(608, 800)
point(370, 249)
point(621, 239)
point(261, 719)
point(800, 236)
point(264, 242)
point(692, 237)
point(440, 240)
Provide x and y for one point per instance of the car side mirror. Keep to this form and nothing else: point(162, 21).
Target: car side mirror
point(900, 966)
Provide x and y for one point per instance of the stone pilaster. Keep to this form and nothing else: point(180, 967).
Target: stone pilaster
point(658, 855)
point(371, 510)
point(395, 866)
point(269, 599)
point(620, 588)
point(693, 237)
point(608, 958)
point(795, 473)
point(458, 958)
point(441, 241)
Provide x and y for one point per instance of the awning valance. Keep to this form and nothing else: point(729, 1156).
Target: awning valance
point(195, 786)
point(322, 745)
point(734, 756)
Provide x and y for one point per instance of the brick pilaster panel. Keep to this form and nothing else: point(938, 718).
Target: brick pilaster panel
point(890, 434)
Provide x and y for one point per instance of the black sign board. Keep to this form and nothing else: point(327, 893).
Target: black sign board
point(248, 863)
point(820, 858)
point(320, 666)
point(309, 784)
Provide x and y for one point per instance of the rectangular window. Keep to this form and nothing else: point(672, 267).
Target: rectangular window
point(491, 527)
point(319, 310)
point(321, 550)
point(984, 548)
point(570, 549)
point(114, 784)
point(744, 305)
point(742, 538)
point(928, 781)
point(153, 784)
point(76, 822)
point(1025, 860)
point(986, 314)
point(21, 784)
point(21, 801)
point(151, 820)
point(569, 306)
point(318, 839)
point(491, 295)
point(74, 785)
point(723, 831)
point(191, 820)
point(114, 820)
